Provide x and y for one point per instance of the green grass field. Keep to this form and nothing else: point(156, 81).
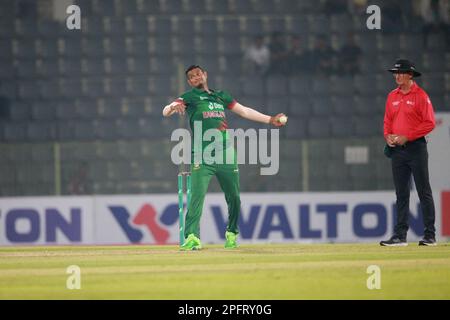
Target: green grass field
point(288, 271)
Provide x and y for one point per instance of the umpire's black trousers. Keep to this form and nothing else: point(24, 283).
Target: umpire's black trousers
point(407, 159)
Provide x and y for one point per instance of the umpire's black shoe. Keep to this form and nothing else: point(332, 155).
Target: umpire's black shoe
point(427, 242)
point(394, 242)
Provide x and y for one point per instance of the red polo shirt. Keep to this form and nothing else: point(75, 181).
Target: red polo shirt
point(409, 114)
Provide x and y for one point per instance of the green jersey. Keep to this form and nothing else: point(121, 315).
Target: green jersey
point(209, 110)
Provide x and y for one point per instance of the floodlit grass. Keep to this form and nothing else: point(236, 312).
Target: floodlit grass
point(273, 271)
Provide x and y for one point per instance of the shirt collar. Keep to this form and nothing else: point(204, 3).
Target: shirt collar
point(413, 89)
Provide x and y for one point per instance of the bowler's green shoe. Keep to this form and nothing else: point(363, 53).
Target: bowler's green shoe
point(230, 242)
point(191, 243)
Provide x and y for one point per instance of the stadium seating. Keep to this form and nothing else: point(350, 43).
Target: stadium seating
point(99, 92)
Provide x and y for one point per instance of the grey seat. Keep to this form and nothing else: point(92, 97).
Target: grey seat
point(109, 108)
point(70, 88)
point(277, 105)
point(300, 107)
point(43, 111)
point(277, 86)
point(342, 85)
point(93, 87)
point(231, 26)
point(115, 87)
point(26, 69)
point(254, 26)
point(253, 86)
point(92, 47)
point(24, 48)
point(185, 26)
point(275, 25)
point(299, 25)
point(319, 127)
point(41, 131)
point(208, 26)
point(368, 127)
point(341, 127)
point(66, 110)
point(126, 128)
point(28, 90)
point(106, 129)
point(322, 106)
point(300, 86)
point(343, 105)
point(14, 132)
point(341, 23)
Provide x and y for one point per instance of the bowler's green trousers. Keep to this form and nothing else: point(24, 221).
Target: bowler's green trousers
point(228, 177)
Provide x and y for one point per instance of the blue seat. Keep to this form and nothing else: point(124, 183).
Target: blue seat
point(93, 67)
point(297, 128)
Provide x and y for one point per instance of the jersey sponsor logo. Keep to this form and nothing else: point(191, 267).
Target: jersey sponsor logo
point(411, 103)
point(213, 114)
point(395, 103)
point(213, 105)
point(203, 98)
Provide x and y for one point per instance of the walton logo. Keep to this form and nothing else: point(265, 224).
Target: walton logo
point(146, 216)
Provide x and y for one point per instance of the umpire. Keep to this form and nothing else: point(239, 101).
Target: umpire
point(408, 118)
